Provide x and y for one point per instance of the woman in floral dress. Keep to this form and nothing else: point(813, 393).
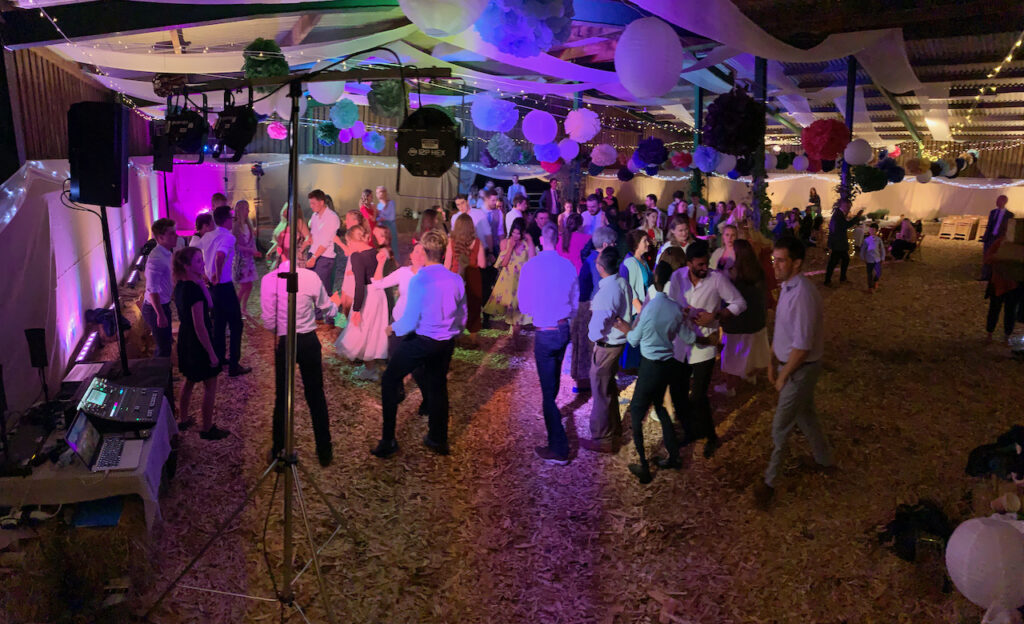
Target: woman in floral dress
point(504, 302)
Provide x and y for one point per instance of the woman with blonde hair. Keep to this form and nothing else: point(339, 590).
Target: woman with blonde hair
point(243, 268)
point(504, 301)
point(465, 256)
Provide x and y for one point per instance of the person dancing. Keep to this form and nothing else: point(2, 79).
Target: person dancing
point(516, 250)
point(243, 269)
point(365, 337)
point(465, 257)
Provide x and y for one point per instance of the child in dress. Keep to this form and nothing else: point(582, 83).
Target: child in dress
point(504, 302)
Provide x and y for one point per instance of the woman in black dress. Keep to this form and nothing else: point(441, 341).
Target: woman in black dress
point(197, 360)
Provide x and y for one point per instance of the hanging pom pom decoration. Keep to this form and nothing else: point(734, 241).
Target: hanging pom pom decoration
point(648, 58)
point(344, 135)
point(502, 148)
point(936, 168)
point(725, 164)
point(487, 160)
point(277, 130)
point(681, 160)
point(744, 165)
point(785, 160)
point(858, 152)
point(624, 174)
point(961, 163)
point(985, 561)
point(869, 179)
point(916, 166)
point(526, 28)
point(813, 165)
point(344, 113)
point(924, 178)
point(895, 174)
point(706, 158)
point(525, 155)
point(733, 175)
point(770, 161)
point(442, 18)
point(373, 142)
point(828, 165)
point(358, 129)
point(582, 125)
point(263, 59)
point(326, 134)
point(734, 123)
point(550, 167)
point(895, 151)
point(800, 163)
point(825, 139)
point(603, 155)
point(547, 152)
point(651, 151)
point(491, 114)
point(633, 164)
point(568, 149)
point(651, 170)
point(387, 98)
point(325, 92)
point(539, 127)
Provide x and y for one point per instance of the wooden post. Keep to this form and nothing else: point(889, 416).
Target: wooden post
point(851, 96)
point(761, 206)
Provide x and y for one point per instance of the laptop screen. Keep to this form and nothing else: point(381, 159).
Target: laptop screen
point(83, 438)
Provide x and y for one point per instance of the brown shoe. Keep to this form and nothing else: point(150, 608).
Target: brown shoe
point(763, 495)
point(598, 446)
point(808, 464)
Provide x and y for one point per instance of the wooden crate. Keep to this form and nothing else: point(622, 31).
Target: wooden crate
point(948, 227)
point(966, 229)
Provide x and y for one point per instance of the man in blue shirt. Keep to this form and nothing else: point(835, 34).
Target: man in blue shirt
point(582, 347)
point(661, 322)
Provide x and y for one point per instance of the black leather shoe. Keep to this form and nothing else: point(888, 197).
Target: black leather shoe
point(325, 454)
point(437, 447)
point(642, 473)
point(237, 371)
point(667, 463)
point(385, 449)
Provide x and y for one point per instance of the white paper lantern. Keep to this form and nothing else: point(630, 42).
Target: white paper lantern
point(925, 178)
point(800, 163)
point(442, 18)
point(539, 127)
point(568, 149)
point(283, 105)
point(266, 105)
point(582, 125)
point(726, 164)
point(770, 161)
point(985, 560)
point(326, 92)
point(648, 58)
point(858, 152)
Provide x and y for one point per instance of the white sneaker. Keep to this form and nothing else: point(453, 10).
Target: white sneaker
point(725, 390)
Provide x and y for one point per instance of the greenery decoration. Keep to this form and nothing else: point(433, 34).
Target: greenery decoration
point(263, 59)
point(869, 179)
point(387, 98)
point(327, 134)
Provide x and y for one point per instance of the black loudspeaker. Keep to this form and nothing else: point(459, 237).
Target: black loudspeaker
point(428, 142)
point(37, 347)
point(98, 153)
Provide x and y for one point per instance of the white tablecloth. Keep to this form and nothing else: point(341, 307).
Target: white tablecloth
point(51, 485)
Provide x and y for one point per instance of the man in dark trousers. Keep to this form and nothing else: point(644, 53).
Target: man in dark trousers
point(218, 254)
point(550, 201)
point(838, 245)
point(998, 219)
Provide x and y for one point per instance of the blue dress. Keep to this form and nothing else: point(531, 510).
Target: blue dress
point(637, 274)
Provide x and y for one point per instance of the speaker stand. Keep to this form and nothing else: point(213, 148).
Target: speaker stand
point(112, 278)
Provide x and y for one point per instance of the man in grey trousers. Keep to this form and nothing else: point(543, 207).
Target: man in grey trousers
point(798, 344)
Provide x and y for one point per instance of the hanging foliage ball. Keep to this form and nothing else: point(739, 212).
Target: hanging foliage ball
point(595, 169)
point(734, 123)
point(985, 560)
point(442, 18)
point(916, 166)
point(277, 130)
point(813, 165)
point(800, 163)
point(624, 174)
point(925, 177)
point(491, 114)
point(858, 152)
point(344, 135)
point(327, 134)
point(551, 167)
point(651, 170)
point(825, 139)
point(539, 127)
point(725, 164)
point(603, 155)
point(387, 98)
point(582, 125)
point(568, 149)
point(733, 175)
point(526, 28)
point(651, 151)
point(706, 158)
point(547, 152)
point(326, 92)
point(358, 129)
point(770, 161)
point(828, 165)
point(502, 148)
point(344, 113)
point(869, 179)
point(648, 58)
point(373, 142)
point(487, 160)
point(263, 59)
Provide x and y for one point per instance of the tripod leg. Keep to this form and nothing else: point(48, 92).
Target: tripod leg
point(312, 547)
point(320, 493)
point(220, 531)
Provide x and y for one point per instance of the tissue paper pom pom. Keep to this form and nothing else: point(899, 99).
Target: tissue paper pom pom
point(327, 134)
point(502, 148)
point(387, 98)
point(568, 149)
point(548, 152)
point(895, 174)
point(936, 168)
point(813, 165)
point(869, 179)
point(733, 175)
point(895, 151)
point(800, 163)
point(358, 129)
point(442, 18)
point(263, 59)
point(491, 114)
point(373, 142)
point(726, 163)
point(595, 169)
point(525, 155)
point(634, 164)
point(651, 151)
point(550, 167)
point(681, 160)
point(960, 163)
point(706, 158)
point(487, 160)
point(344, 113)
point(744, 165)
point(785, 160)
point(916, 166)
point(734, 123)
point(858, 152)
point(648, 58)
point(277, 130)
point(539, 127)
point(582, 125)
point(603, 155)
point(525, 28)
point(344, 135)
point(925, 177)
point(825, 139)
point(624, 174)
point(651, 170)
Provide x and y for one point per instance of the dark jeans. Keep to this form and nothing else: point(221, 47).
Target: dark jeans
point(161, 335)
point(840, 257)
point(697, 421)
point(874, 272)
point(549, 351)
point(324, 269)
point(1008, 302)
point(226, 313)
point(427, 360)
point(307, 355)
point(655, 377)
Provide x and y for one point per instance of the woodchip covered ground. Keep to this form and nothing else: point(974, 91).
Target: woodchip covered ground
point(492, 534)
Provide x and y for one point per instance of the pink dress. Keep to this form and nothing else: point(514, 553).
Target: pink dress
point(578, 241)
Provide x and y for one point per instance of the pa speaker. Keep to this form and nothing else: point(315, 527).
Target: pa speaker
point(36, 338)
point(98, 153)
point(428, 142)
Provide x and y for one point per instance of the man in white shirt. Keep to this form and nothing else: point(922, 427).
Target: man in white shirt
point(702, 293)
point(549, 293)
point(798, 344)
point(515, 190)
point(310, 296)
point(156, 310)
point(218, 255)
point(435, 313)
point(594, 217)
point(519, 207)
point(204, 225)
point(462, 207)
point(323, 227)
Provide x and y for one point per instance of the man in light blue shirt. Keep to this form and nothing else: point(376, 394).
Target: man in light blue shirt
point(661, 323)
point(515, 190)
point(549, 292)
point(435, 313)
point(611, 302)
point(386, 215)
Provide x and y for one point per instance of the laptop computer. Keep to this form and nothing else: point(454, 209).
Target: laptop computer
point(102, 453)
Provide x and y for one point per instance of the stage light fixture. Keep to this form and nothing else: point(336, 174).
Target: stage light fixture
point(234, 130)
point(87, 347)
point(428, 142)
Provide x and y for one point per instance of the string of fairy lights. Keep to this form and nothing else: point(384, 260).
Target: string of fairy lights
point(960, 127)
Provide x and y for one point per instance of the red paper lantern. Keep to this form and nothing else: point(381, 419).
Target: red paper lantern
point(825, 139)
point(551, 167)
point(813, 165)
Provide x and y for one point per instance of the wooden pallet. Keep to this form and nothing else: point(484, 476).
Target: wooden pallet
point(948, 227)
point(966, 229)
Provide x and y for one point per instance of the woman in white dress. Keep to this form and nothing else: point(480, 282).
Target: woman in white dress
point(745, 350)
point(724, 257)
point(365, 338)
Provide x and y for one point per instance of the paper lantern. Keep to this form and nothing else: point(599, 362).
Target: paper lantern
point(358, 130)
point(858, 152)
point(770, 161)
point(344, 135)
point(726, 164)
point(924, 178)
point(985, 560)
point(568, 149)
point(651, 170)
point(825, 138)
point(494, 115)
point(547, 152)
point(266, 105)
point(603, 154)
point(283, 105)
point(582, 125)
point(442, 18)
point(813, 165)
point(550, 167)
point(800, 163)
point(373, 142)
point(326, 92)
point(624, 174)
point(539, 127)
point(648, 58)
point(706, 158)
